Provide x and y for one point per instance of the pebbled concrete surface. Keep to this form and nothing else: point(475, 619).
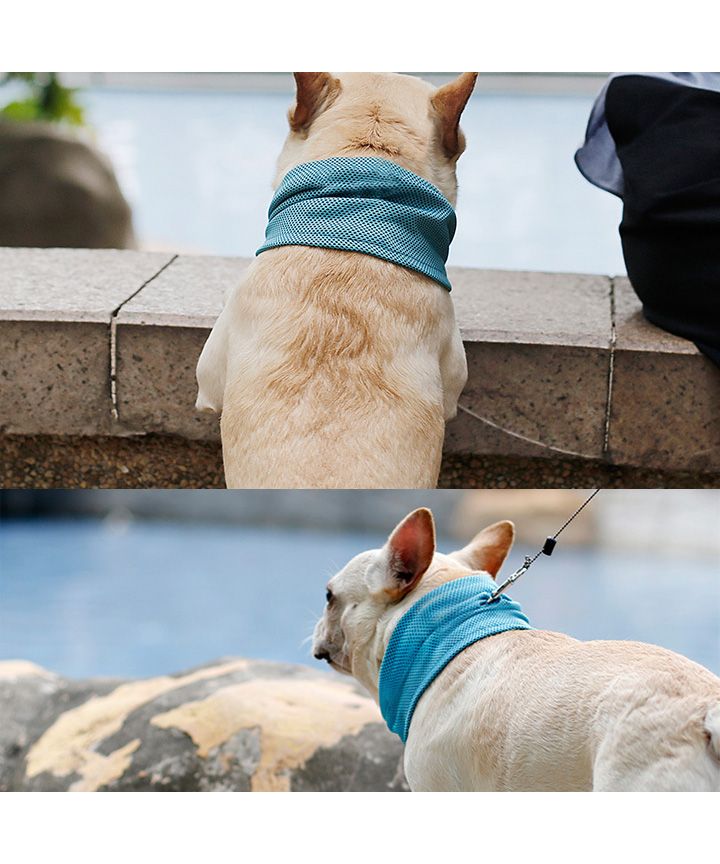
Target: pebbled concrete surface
point(529, 308)
point(666, 395)
point(56, 312)
point(174, 462)
point(79, 285)
point(99, 343)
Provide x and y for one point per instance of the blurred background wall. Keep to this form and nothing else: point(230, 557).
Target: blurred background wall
point(676, 521)
point(194, 155)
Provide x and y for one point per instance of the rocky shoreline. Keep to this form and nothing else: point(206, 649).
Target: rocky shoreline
point(231, 725)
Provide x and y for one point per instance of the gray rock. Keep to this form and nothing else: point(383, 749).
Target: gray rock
point(57, 189)
point(233, 725)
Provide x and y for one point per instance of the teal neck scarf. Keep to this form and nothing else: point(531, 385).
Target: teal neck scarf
point(431, 633)
point(364, 205)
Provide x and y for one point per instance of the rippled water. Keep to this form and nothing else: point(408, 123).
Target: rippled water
point(197, 168)
point(144, 598)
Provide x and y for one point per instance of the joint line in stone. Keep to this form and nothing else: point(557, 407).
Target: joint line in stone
point(611, 370)
point(113, 338)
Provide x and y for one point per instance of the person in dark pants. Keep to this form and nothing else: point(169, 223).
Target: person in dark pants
point(654, 140)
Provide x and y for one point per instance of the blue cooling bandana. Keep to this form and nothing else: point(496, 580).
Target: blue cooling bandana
point(364, 204)
point(431, 633)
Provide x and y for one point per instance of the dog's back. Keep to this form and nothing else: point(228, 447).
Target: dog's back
point(347, 347)
point(335, 368)
point(541, 711)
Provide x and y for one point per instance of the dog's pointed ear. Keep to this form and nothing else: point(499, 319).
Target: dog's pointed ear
point(488, 549)
point(448, 103)
point(315, 91)
point(407, 554)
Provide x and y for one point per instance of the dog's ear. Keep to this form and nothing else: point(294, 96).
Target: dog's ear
point(448, 103)
point(488, 549)
point(315, 91)
point(407, 554)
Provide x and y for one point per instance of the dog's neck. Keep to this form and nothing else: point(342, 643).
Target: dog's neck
point(367, 205)
point(368, 659)
point(432, 633)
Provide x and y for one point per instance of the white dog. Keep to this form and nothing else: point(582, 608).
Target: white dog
point(333, 368)
point(524, 709)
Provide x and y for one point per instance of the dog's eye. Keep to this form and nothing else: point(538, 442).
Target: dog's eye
point(329, 596)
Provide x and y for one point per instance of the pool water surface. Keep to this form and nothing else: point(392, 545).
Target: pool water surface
point(97, 597)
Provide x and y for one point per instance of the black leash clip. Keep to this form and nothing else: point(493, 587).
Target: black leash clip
point(549, 546)
point(547, 549)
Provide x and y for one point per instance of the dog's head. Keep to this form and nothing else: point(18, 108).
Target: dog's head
point(391, 116)
point(366, 598)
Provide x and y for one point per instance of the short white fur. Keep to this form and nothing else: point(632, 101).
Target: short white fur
point(524, 710)
point(336, 369)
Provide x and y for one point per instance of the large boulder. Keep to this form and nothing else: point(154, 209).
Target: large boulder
point(234, 725)
point(57, 189)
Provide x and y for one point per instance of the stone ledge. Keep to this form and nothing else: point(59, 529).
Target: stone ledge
point(56, 312)
point(666, 395)
point(77, 285)
point(105, 343)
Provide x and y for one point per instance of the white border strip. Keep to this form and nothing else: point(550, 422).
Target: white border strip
point(221, 35)
point(119, 828)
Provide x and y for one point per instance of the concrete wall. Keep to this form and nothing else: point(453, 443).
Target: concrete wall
point(101, 346)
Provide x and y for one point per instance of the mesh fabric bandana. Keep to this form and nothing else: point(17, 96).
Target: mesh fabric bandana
point(431, 633)
point(365, 205)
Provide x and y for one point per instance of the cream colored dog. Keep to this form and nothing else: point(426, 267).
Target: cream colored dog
point(332, 368)
point(526, 709)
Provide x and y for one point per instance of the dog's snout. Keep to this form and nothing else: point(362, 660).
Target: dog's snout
point(322, 654)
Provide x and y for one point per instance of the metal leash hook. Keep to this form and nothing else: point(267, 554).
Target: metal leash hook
point(547, 549)
point(509, 581)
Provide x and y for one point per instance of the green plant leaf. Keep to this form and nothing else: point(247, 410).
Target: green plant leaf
point(47, 100)
point(25, 110)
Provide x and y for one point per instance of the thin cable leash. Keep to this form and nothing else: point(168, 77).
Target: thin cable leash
point(547, 549)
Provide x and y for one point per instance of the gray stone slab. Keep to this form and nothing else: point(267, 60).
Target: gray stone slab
point(666, 396)
point(55, 378)
point(532, 308)
point(635, 333)
point(71, 284)
point(190, 292)
point(160, 334)
point(56, 306)
point(538, 354)
point(531, 400)
point(537, 345)
point(156, 386)
point(517, 318)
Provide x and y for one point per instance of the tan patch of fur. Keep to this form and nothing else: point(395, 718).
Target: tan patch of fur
point(379, 131)
point(336, 369)
point(315, 91)
point(489, 549)
point(449, 102)
point(338, 374)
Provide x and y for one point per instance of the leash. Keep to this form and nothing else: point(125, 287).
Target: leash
point(547, 549)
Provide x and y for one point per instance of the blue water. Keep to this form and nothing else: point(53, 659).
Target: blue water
point(197, 167)
point(92, 597)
